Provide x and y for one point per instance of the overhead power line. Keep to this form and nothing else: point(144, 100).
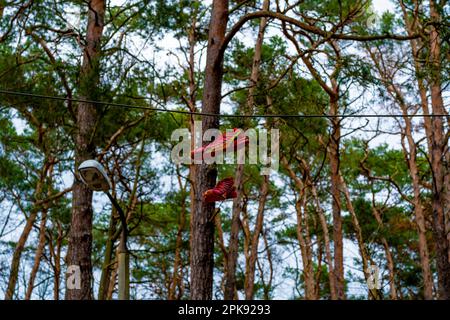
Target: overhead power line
point(128, 106)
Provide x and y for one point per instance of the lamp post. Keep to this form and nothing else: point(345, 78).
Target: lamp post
point(95, 178)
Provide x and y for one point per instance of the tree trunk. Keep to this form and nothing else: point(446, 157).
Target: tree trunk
point(176, 279)
point(113, 279)
point(336, 199)
point(438, 148)
point(266, 287)
point(220, 240)
point(107, 257)
point(41, 243)
point(55, 254)
point(233, 244)
point(42, 238)
point(305, 245)
point(249, 284)
point(387, 251)
point(38, 255)
point(80, 237)
point(418, 212)
point(202, 228)
point(333, 151)
point(57, 260)
point(374, 293)
point(230, 276)
point(326, 237)
point(15, 262)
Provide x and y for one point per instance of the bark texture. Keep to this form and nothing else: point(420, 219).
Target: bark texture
point(202, 224)
point(80, 236)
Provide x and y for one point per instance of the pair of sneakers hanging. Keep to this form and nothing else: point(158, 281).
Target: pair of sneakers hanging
point(224, 189)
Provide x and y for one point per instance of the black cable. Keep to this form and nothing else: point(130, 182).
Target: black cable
point(127, 106)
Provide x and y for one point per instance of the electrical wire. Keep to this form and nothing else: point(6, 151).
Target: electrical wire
point(128, 106)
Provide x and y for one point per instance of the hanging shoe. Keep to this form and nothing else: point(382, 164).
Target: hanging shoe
point(223, 190)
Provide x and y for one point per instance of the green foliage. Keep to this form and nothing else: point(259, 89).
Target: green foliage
point(40, 53)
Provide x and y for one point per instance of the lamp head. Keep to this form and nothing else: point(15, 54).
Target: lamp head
point(94, 176)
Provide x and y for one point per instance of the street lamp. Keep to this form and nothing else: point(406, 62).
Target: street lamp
point(95, 178)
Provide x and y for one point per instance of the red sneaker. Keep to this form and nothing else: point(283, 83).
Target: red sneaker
point(223, 190)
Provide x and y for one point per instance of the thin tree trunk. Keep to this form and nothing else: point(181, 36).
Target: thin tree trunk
point(326, 236)
point(113, 234)
point(267, 287)
point(334, 161)
point(57, 281)
point(176, 280)
point(233, 244)
point(80, 237)
point(55, 253)
point(112, 281)
point(377, 216)
point(247, 237)
point(418, 212)
point(249, 283)
point(41, 243)
point(305, 246)
point(230, 276)
point(374, 293)
point(202, 228)
point(389, 259)
point(38, 255)
point(191, 103)
point(334, 156)
point(221, 242)
point(15, 262)
point(333, 151)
